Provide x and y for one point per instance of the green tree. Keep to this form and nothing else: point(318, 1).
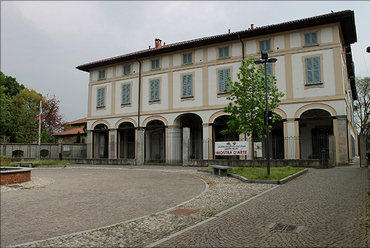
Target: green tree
point(25, 116)
point(361, 106)
point(11, 85)
point(248, 100)
point(5, 115)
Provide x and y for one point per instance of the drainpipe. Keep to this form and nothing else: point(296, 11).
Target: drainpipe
point(138, 109)
point(242, 45)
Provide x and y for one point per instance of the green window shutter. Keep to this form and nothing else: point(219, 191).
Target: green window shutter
point(154, 90)
point(101, 96)
point(269, 71)
point(102, 74)
point(187, 58)
point(223, 52)
point(313, 70)
point(222, 80)
point(310, 39)
point(187, 85)
point(265, 45)
point(126, 93)
point(155, 64)
point(126, 69)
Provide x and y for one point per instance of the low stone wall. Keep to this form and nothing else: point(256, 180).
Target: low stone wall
point(305, 163)
point(11, 175)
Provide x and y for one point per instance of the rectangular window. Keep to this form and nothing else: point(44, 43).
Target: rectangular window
point(126, 69)
point(102, 74)
point(222, 80)
point(310, 39)
point(265, 45)
point(187, 58)
point(187, 85)
point(270, 73)
point(101, 98)
point(155, 64)
point(126, 93)
point(313, 70)
point(154, 90)
point(223, 52)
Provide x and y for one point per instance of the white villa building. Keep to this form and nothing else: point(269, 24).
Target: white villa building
point(163, 89)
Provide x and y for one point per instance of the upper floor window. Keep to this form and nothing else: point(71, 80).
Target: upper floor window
point(187, 85)
point(155, 64)
point(154, 90)
point(101, 98)
point(310, 39)
point(187, 58)
point(222, 80)
point(313, 70)
point(126, 93)
point(102, 74)
point(223, 52)
point(126, 69)
point(265, 45)
point(269, 71)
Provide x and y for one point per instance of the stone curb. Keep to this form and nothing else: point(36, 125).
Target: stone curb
point(245, 180)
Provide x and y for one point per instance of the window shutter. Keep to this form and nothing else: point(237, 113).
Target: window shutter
point(223, 52)
point(101, 95)
point(125, 93)
point(226, 52)
point(222, 80)
point(102, 74)
point(155, 64)
point(187, 85)
point(154, 90)
point(310, 39)
point(313, 70)
point(187, 58)
point(316, 70)
point(126, 69)
point(265, 45)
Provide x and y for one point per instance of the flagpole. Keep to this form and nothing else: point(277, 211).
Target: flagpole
point(40, 122)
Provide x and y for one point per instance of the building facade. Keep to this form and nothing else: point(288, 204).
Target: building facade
point(166, 88)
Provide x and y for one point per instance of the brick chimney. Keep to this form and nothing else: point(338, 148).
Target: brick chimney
point(158, 42)
point(252, 26)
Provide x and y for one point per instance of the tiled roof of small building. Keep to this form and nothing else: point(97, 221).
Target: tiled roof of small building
point(73, 131)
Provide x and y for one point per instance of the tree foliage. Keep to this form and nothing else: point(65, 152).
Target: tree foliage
point(12, 87)
point(20, 107)
point(361, 106)
point(248, 100)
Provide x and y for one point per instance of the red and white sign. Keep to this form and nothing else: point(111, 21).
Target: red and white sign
point(231, 148)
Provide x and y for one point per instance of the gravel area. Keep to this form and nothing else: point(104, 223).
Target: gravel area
point(36, 182)
point(222, 193)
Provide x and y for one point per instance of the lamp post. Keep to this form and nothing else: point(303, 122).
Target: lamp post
point(265, 59)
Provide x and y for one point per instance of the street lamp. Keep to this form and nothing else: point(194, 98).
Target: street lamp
point(265, 59)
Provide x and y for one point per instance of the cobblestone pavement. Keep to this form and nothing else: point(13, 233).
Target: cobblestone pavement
point(323, 208)
point(86, 198)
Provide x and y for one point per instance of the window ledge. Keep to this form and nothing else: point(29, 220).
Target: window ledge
point(125, 105)
point(319, 85)
point(187, 98)
point(155, 102)
point(313, 45)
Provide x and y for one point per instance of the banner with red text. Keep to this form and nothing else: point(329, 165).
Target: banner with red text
point(231, 148)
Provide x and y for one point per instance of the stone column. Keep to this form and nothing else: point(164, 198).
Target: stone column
point(140, 147)
point(291, 142)
point(185, 146)
point(342, 149)
point(89, 144)
point(112, 143)
point(363, 160)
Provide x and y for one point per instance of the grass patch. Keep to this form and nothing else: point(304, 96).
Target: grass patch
point(276, 173)
point(6, 161)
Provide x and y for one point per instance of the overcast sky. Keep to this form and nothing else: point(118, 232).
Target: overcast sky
point(43, 42)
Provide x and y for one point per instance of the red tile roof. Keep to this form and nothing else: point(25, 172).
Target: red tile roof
point(73, 131)
point(345, 17)
point(80, 121)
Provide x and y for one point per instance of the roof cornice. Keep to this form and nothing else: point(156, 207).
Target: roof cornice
point(345, 18)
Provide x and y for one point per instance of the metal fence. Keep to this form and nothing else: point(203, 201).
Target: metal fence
point(280, 148)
